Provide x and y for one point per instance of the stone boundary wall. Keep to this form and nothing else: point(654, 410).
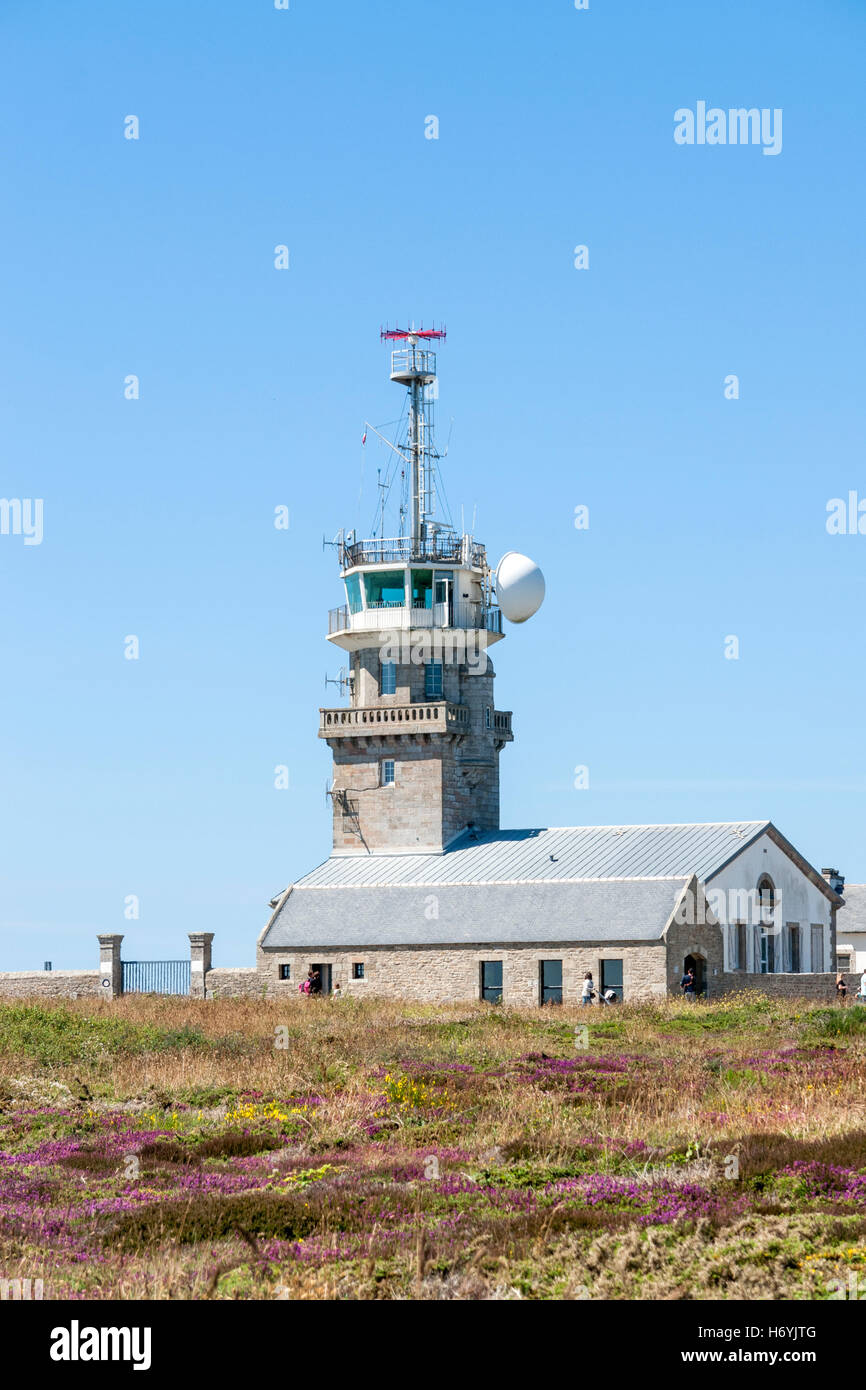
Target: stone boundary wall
point(245, 981)
point(50, 984)
point(812, 985)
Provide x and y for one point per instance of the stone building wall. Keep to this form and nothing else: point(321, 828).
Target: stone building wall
point(443, 780)
point(442, 974)
point(688, 939)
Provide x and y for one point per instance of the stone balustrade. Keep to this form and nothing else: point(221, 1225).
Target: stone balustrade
point(427, 717)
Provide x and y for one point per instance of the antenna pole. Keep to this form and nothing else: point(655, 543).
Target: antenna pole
point(414, 366)
point(415, 444)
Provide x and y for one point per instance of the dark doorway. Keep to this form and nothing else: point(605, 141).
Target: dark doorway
point(324, 977)
point(551, 981)
point(699, 965)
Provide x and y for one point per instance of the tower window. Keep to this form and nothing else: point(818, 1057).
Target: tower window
point(385, 588)
point(422, 588)
point(388, 683)
point(433, 680)
point(387, 772)
point(487, 717)
point(353, 593)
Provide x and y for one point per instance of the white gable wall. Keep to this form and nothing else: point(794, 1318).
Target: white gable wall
point(797, 897)
point(851, 944)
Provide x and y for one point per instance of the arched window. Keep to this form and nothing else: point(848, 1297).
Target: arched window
point(767, 938)
point(766, 897)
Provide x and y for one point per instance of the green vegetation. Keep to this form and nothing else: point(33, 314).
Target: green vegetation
point(163, 1147)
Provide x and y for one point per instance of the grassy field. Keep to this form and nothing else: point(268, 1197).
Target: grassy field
point(171, 1148)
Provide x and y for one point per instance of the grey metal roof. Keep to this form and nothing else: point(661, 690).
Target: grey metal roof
point(852, 917)
point(391, 915)
point(552, 856)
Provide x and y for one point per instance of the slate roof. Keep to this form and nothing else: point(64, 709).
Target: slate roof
point(552, 855)
point(391, 915)
point(578, 883)
point(852, 917)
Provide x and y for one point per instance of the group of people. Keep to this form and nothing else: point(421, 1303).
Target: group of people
point(842, 988)
point(589, 993)
point(312, 985)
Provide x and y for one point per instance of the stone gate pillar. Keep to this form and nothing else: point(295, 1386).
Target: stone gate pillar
point(199, 961)
point(110, 969)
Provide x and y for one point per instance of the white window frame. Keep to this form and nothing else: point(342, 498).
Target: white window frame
point(432, 668)
point(387, 781)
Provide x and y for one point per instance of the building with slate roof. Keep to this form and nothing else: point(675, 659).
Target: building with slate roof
point(521, 915)
point(424, 895)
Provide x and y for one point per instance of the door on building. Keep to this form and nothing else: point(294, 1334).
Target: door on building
point(324, 976)
point(551, 981)
point(699, 965)
point(442, 600)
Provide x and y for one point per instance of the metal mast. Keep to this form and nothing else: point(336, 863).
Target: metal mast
point(414, 366)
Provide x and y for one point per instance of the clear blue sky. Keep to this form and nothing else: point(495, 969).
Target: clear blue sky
point(603, 387)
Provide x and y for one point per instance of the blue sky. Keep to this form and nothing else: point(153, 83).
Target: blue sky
point(602, 387)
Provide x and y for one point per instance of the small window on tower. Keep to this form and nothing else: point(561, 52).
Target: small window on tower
point(387, 772)
point(388, 685)
point(487, 717)
point(433, 680)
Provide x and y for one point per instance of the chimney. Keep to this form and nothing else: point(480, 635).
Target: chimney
point(835, 879)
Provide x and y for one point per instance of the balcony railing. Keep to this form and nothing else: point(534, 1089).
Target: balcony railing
point(338, 619)
point(402, 550)
point(431, 717)
point(502, 723)
point(386, 617)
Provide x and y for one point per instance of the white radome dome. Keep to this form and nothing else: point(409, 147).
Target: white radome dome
point(519, 586)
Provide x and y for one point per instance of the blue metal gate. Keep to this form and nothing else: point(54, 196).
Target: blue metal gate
point(155, 976)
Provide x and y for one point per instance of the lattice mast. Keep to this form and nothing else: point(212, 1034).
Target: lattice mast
point(414, 366)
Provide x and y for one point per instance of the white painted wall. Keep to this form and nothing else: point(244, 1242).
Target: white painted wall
point(851, 943)
point(799, 901)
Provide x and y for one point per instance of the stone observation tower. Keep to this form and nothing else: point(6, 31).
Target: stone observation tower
point(416, 750)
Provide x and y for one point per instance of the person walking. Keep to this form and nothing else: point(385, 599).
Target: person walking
point(841, 988)
point(587, 994)
point(687, 984)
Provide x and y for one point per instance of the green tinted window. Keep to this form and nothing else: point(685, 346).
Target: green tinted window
point(422, 588)
point(385, 589)
point(353, 593)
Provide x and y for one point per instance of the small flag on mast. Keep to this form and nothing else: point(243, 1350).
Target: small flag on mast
point(364, 438)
